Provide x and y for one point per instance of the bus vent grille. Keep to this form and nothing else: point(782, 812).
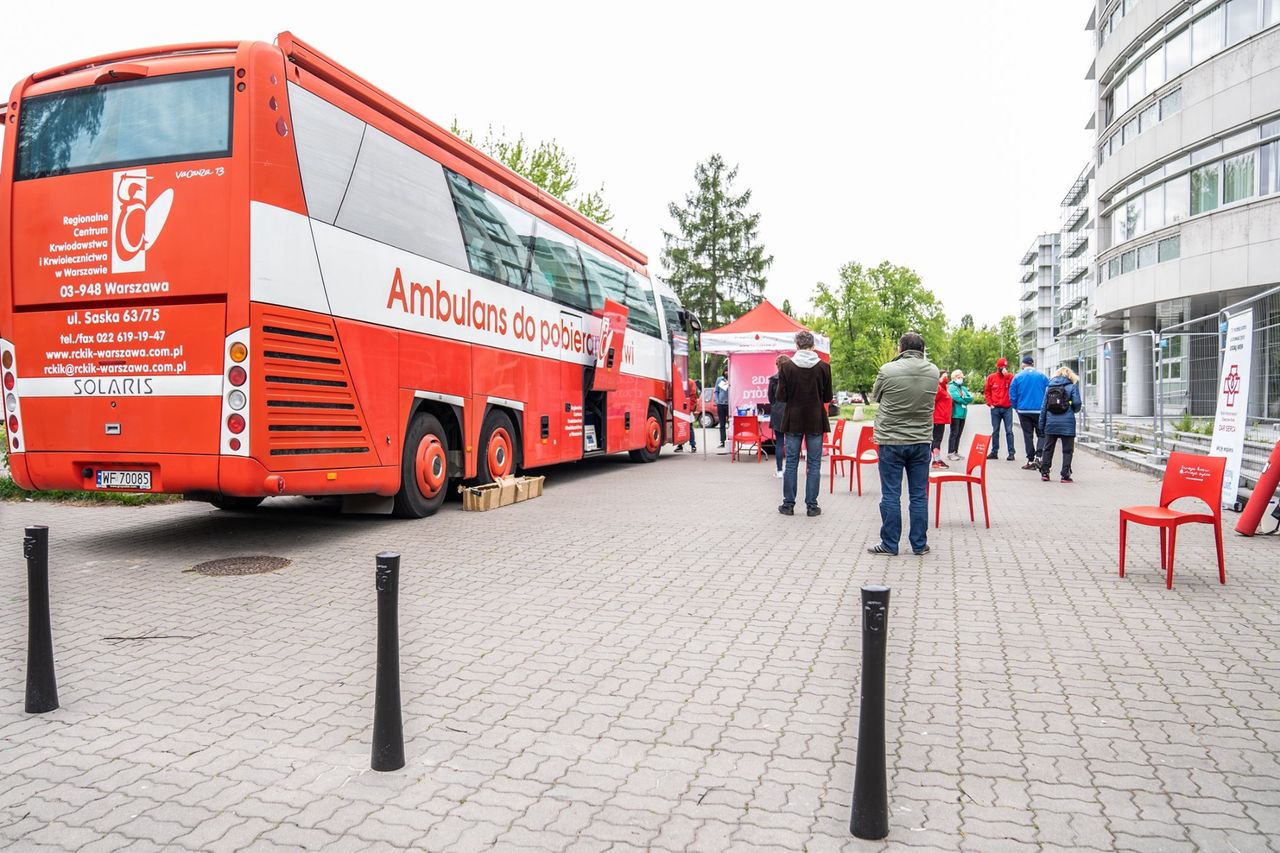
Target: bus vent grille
point(311, 407)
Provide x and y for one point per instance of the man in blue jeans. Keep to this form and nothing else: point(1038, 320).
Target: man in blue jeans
point(804, 388)
point(905, 389)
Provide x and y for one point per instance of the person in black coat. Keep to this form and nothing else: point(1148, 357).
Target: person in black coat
point(776, 409)
point(804, 386)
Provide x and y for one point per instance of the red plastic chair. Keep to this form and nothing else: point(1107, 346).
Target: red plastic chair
point(1186, 476)
point(867, 452)
point(833, 445)
point(746, 433)
point(977, 460)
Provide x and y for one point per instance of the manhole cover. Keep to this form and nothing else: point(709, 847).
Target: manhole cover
point(231, 566)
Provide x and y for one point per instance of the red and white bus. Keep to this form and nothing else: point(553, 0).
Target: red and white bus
point(237, 270)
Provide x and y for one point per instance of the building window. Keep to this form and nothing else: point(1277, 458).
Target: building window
point(1132, 218)
point(1153, 205)
point(1177, 199)
point(1269, 171)
point(1204, 188)
point(1155, 69)
point(1206, 36)
point(1242, 20)
point(1271, 13)
point(1128, 261)
point(1177, 53)
point(1170, 104)
point(1170, 248)
point(1237, 181)
point(1113, 268)
point(1147, 255)
point(1148, 118)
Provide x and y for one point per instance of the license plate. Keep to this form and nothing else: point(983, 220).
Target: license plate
point(124, 480)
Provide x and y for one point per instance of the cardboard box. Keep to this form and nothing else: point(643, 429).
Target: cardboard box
point(529, 487)
point(504, 492)
point(481, 498)
point(507, 490)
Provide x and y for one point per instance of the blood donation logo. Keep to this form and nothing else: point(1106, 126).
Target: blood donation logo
point(1231, 386)
point(135, 223)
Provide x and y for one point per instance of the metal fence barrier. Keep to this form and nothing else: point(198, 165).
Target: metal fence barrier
point(1185, 364)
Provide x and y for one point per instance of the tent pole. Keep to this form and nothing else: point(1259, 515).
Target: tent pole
point(702, 357)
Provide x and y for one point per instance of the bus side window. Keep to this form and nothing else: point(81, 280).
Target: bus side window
point(642, 315)
point(556, 258)
point(399, 196)
point(604, 277)
point(671, 313)
point(327, 139)
point(494, 232)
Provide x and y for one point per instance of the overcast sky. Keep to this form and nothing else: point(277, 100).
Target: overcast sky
point(934, 134)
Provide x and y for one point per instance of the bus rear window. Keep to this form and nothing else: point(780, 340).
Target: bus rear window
point(154, 120)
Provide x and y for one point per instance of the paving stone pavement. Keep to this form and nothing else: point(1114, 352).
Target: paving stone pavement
point(647, 657)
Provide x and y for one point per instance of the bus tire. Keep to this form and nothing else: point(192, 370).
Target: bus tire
point(498, 454)
point(424, 468)
point(233, 504)
point(652, 438)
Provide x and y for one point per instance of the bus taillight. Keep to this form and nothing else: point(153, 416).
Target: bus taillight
point(235, 398)
point(13, 414)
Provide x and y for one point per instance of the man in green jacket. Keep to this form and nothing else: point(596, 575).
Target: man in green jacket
point(905, 389)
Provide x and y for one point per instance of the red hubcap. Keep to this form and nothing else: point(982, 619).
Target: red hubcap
point(653, 435)
point(430, 466)
point(499, 453)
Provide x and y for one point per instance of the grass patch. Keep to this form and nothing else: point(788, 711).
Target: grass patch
point(868, 411)
point(10, 491)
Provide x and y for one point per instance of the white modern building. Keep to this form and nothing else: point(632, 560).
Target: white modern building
point(1077, 318)
point(1184, 191)
point(1038, 299)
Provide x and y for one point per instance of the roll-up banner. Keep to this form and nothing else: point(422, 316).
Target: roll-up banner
point(1231, 419)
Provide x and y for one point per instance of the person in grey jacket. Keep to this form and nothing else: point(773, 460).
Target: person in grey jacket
point(905, 389)
point(1058, 421)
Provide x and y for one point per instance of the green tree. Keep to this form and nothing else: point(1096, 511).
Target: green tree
point(546, 165)
point(786, 308)
point(975, 350)
point(866, 313)
point(713, 257)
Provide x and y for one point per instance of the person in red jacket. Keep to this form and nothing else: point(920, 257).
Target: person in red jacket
point(941, 417)
point(996, 394)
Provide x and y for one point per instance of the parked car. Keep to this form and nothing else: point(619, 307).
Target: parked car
point(707, 408)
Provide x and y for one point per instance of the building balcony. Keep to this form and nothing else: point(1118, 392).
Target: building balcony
point(1074, 217)
point(1028, 275)
point(1073, 300)
point(1070, 330)
point(1076, 245)
point(1030, 255)
point(1074, 273)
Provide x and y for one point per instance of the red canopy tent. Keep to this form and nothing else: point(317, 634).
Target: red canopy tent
point(753, 342)
point(762, 329)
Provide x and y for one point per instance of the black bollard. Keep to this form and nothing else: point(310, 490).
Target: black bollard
point(388, 728)
point(42, 684)
point(870, 814)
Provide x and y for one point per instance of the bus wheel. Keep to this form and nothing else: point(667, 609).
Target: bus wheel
point(498, 451)
point(424, 468)
point(232, 504)
point(652, 439)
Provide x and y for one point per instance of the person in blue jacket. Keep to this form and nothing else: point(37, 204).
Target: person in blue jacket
point(1026, 395)
point(1058, 421)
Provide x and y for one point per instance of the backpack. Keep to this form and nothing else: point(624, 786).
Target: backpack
point(1057, 400)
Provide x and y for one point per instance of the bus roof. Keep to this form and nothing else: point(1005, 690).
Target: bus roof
point(313, 61)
